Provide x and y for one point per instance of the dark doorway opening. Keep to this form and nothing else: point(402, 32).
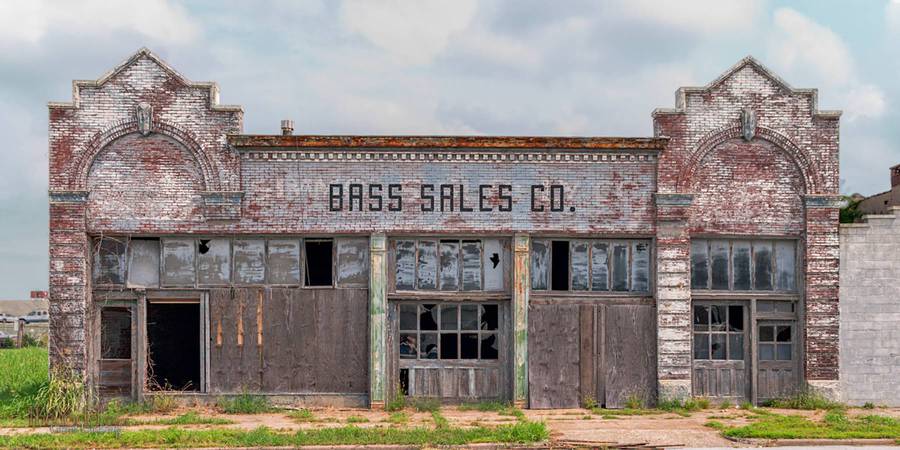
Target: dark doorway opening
point(319, 262)
point(559, 278)
point(173, 339)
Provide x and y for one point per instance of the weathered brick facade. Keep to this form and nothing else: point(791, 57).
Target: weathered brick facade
point(183, 169)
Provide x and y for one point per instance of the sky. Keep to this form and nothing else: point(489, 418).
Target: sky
point(495, 67)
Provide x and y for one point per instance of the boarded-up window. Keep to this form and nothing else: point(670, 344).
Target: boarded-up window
point(540, 262)
point(471, 273)
point(405, 265)
point(109, 261)
point(785, 260)
point(640, 267)
point(600, 266)
point(143, 263)
point(213, 261)
point(353, 262)
point(620, 267)
point(426, 273)
point(494, 265)
point(718, 255)
point(283, 265)
point(699, 264)
point(744, 265)
point(115, 333)
point(580, 267)
point(762, 266)
point(741, 265)
point(449, 265)
point(178, 262)
point(249, 261)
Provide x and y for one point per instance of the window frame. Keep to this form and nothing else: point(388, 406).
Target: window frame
point(745, 332)
point(610, 244)
point(437, 292)
point(799, 269)
point(458, 331)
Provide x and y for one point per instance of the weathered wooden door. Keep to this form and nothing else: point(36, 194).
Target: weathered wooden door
point(777, 362)
point(115, 369)
point(721, 353)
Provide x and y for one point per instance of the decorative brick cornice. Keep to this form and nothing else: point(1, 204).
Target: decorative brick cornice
point(442, 155)
point(68, 196)
point(673, 199)
point(822, 201)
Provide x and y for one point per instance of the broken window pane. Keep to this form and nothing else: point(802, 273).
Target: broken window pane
point(735, 318)
point(620, 267)
point(699, 264)
point(640, 267)
point(115, 333)
point(468, 317)
point(579, 265)
point(405, 265)
point(109, 261)
point(494, 264)
point(471, 271)
point(540, 259)
point(249, 261)
point(701, 318)
point(178, 262)
point(559, 278)
point(429, 346)
point(717, 347)
point(449, 346)
point(736, 346)
point(143, 264)
point(449, 265)
point(426, 275)
point(762, 266)
point(785, 258)
point(718, 255)
point(319, 262)
point(468, 345)
point(409, 317)
point(783, 334)
point(489, 317)
point(428, 317)
point(741, 265)
point(284, 261)
point(449, 317)
point(701, 346)
point(352, 262)
point(717, 317)
point(408, 346)
point(489, 348)
point(599, 267)
point(213, 261)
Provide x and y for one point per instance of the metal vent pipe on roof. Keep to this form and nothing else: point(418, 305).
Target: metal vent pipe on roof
point(287, 127)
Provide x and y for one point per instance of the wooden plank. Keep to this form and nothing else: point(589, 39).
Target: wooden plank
point(277, 348)
point(303, 339)
point(553, 356)
point(630, 354)
point(586, 347)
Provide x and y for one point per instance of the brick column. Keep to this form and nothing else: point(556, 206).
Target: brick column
point(377, 321)
point(822, 314)
point(521, 292)
point(70, 280)
point(673, 296)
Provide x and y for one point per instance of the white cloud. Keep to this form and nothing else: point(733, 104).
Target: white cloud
point(807, 50)
point(29, 21)
point(413, 31)
point(892, 15)
point(705, 16)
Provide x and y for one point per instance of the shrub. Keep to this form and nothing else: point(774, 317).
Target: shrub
point(634, 401)
point(62, 399)
point(868, 405)
point(726, 404)
point(590, 402)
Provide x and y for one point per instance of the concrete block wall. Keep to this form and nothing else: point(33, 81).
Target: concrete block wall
point(870, 310)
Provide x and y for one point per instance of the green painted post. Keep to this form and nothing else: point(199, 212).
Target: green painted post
point(521, 291)
point(377, 320)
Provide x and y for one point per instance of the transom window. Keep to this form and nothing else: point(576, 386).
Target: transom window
point(449, 331)
point(590, 265)
point(450, 264)
point(744, 265)
point(718, 332)
point(775, 342)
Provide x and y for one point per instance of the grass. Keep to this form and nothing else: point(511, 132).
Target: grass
point(244, 404)
point(398, 418)
point(805, 400)
point(302, 415)
point(528, 432)
point(423, 404)
point(190, 418)
point(23, 372)
point(357, 419)
point(486, 406)
point(835, 425)
point(440, 422)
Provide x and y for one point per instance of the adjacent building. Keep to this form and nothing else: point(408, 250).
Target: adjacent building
point(188, 258)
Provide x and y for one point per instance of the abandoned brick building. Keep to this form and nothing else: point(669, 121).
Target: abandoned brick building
point(187, 258)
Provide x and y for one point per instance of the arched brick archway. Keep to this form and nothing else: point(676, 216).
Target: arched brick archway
point(210, 174)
